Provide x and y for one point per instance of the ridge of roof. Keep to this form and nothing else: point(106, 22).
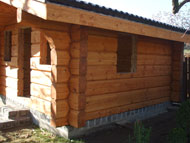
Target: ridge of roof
point(116, 13)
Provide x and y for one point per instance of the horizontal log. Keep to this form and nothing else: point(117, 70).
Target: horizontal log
point(35, 65)
point(105, 101)
point(102, 43)
point(10, 72)
point(40, 105)
point(121, 85)
point(125, 108)
point(60, 54)
point(175, 97)
point(59, 108)
point(41, 77)
point(77, 118)
point(35, 50)
point(14, 51)
point(9, 92)
point(40, 91)
point(12, 63)
point(153, 60)
point(176, 86)
point(60, 74)
point(78, 84)
point(59, 91)
point(60, 57)
point(176, 75)
point(75, 50)
point(102, 55)
point(77, 101)
point(35, 37)
point(149, 46)
point(14, 39)
point(58, 122)
point(9, 82)
point(110, 72)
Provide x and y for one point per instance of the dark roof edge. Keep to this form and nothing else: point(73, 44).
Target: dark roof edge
point(115, 13)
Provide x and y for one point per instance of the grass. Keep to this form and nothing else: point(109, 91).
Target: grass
point(32, 134)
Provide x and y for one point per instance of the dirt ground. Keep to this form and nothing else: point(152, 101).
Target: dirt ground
point(31, 134)
point(161, 125)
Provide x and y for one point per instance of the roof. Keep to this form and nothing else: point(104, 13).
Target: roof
point(115, 13)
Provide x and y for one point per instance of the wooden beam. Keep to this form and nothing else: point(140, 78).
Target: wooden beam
point(31, 6)
point(25, 18)
point(92, 19)
point(60, 13)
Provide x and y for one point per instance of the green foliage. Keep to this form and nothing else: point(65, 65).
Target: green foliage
point(141, 134)
point(177, 135)
point(183, 116)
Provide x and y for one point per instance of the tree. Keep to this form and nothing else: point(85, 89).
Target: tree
point(181, 19)
point(177, 5)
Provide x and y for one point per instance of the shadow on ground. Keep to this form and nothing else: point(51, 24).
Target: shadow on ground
point(161, 125)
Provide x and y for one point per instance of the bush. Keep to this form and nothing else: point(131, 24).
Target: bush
point(141, 134)
point(177, 135)
point(183, 116)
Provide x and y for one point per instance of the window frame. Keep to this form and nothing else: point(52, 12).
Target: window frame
point(133, 59)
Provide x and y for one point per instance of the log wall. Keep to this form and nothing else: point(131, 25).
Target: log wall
point(9, 71)
point(40, 87)
point(109, 92)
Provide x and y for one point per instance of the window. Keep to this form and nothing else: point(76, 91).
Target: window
point(45, 56)
point(7, 45)
point(126, 53)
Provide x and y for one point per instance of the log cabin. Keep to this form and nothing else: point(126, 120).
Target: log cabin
point(78, 66)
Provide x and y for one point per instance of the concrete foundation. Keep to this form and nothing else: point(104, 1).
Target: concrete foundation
point(43, 120)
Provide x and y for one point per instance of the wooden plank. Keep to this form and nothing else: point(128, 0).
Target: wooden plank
point(116, 110)
point(121, 85)
point(91, 19)
point(100, 102)
point(38, 23)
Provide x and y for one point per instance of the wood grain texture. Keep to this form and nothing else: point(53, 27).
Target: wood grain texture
point(77, 84)
point(91, 19)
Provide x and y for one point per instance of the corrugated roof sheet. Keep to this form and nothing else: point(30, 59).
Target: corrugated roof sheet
point(115, 13)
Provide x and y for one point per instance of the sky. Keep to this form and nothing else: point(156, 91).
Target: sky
point(144, 8)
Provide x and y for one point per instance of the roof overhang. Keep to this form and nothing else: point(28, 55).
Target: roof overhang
point(61, 13)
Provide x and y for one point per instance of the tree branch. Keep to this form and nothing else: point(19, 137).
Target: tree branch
point(176, 5)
